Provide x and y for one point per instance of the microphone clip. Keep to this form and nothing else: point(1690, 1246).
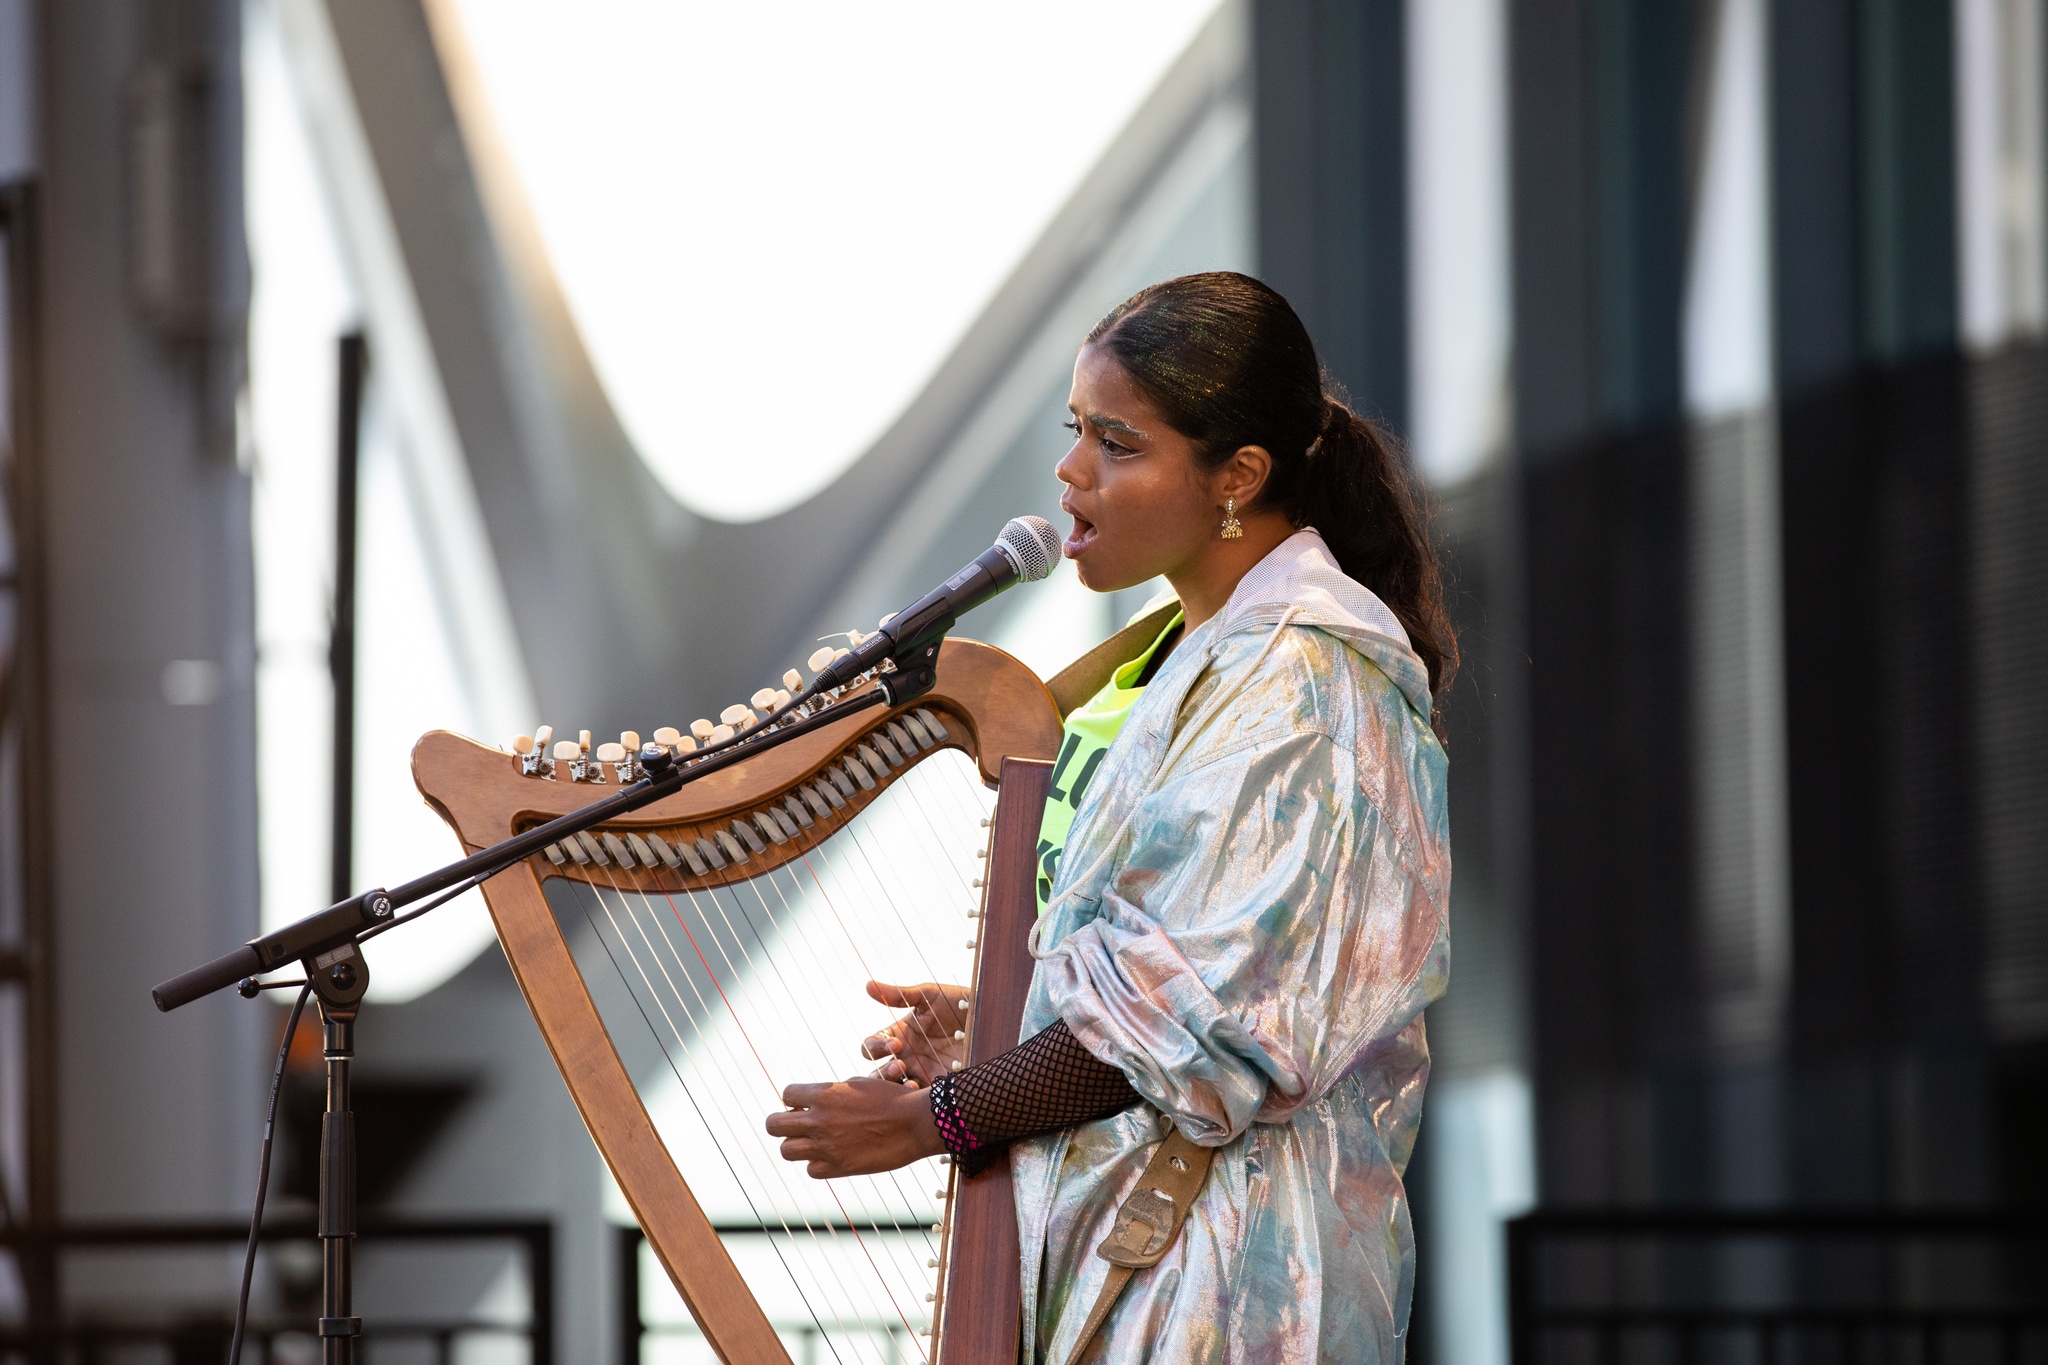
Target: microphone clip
point(916, 672)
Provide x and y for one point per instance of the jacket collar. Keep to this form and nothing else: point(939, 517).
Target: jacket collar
point(1300, 573)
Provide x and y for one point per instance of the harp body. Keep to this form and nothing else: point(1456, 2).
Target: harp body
point(761, 832)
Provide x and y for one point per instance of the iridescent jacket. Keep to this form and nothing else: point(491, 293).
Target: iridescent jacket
point(1249, 918)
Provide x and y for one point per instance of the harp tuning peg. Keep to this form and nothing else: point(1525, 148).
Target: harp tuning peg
point(583, 741)
point(735, 714)
point(719, 734)
point(629, 740)
point(523, 745)
point(782, 698)
point(701, 729)
point(984, 824)
point(932, 1264)
point(793, 680)
point(959, 1035)
point(611, 753)
point(667, 736)
point(542, 736)
point(684, 745)
point(565, 750)
point(853, 639)
point(764, 700)
point(819, 658)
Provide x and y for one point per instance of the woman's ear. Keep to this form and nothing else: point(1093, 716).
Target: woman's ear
point(1243, 476)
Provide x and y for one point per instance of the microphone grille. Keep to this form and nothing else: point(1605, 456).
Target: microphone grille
point(1032, 545)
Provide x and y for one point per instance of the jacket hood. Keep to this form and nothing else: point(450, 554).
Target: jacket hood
point(1301, 581)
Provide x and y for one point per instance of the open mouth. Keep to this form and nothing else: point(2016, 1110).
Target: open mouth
point(1080, 538)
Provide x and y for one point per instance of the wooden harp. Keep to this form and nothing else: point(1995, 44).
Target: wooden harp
point(687, 961)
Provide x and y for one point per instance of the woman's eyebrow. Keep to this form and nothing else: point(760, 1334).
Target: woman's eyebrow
point(1113, 424)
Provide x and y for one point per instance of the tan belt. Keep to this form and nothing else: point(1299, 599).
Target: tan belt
point(1148, 1222)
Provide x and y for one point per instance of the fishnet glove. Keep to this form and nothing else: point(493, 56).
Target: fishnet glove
point(1046, 1083)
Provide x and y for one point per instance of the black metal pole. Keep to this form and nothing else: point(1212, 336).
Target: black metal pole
point(339, 986)
point(19, 252)
point(341, 650)
point(343, 643)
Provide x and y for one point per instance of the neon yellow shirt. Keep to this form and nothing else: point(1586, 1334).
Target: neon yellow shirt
point(1085, 738)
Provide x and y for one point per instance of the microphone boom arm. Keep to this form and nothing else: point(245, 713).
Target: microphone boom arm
point(346, 921)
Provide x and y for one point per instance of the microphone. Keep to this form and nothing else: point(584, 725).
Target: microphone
point(1024, 552)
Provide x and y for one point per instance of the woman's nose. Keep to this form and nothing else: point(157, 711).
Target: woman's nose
point(1069, 470)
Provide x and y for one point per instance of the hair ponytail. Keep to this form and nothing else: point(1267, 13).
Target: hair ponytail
point(1229, 364)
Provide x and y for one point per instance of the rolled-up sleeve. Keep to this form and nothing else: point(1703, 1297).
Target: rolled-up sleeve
point(1262, 928)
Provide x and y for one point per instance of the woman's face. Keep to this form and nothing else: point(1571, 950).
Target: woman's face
point(1141, 505)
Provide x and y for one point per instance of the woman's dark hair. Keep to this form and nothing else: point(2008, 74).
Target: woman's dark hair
point(1228, 364)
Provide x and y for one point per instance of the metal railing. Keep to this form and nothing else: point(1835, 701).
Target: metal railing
point(804, 1335)
point(1682, 1287)
point(204, 1336)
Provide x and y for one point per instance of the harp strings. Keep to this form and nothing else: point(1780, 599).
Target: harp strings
point(752, 1050)
point(690, 1095)
point(728, 1067)
point(880, 895)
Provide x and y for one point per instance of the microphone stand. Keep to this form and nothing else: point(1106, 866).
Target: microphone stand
point(329, 946)
point(339, 988)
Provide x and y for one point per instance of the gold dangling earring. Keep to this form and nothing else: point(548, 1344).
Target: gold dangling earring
point(1231, 529)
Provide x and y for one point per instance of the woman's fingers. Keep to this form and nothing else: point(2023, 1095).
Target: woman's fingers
point(892, 996)
point(934, 1004)
point(855, 1126)
point(925, 1042)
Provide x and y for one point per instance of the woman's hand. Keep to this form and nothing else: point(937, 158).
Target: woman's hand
point(920, 1046)
point(856, 1127)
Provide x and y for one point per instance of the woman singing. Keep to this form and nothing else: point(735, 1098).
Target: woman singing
point(1246, 917)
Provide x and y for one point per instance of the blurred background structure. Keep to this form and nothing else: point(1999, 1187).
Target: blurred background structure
point(649, 342)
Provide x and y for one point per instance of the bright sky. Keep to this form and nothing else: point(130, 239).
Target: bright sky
point(772, 222)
